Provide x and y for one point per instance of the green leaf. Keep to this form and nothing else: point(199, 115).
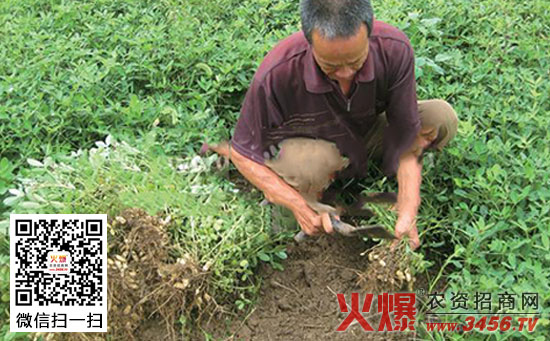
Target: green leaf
point(5, 167)
point(512, 259)
point(430, 22)
point(277, 266)
point(35, 163)
point(263, 256)
point(443, 57)
point(4, 227)
point(30, 205)
point(10, 201)
point(205, 68)
point(9, 336)
point(545, 240)
point(281, 254)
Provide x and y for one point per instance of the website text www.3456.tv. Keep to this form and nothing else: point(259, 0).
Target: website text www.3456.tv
point(398, 312)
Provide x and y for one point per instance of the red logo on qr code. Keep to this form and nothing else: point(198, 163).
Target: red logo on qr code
point(59, 262)
point(58, 273)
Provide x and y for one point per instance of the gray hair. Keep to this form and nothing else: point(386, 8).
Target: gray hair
point(335, 18)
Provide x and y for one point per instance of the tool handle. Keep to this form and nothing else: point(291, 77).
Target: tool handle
point(336, 224)
point(302, 236)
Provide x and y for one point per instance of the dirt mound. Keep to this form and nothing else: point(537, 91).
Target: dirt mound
point(148, 289)
point(300, 303)
point(144, 281)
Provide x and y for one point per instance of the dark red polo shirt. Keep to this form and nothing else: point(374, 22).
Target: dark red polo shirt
point(291, 97)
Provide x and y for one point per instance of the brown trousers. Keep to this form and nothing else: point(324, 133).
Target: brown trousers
point(309, 165)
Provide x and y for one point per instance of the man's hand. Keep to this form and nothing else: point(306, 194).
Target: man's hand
point(406, 226)
point(310, 222)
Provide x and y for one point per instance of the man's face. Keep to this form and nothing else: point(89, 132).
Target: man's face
point(341, 58)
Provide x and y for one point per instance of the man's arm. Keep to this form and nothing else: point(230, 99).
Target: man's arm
point(277, 191)
point(401, 139)
point(409, 178)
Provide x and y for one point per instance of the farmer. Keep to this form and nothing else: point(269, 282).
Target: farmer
point(345, 82)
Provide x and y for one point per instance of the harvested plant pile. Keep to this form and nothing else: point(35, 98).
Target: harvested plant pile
point(144, 280)
point(145, 284)
point(389, 270)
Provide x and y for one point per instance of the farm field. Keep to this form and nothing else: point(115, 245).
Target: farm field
point(104, 106)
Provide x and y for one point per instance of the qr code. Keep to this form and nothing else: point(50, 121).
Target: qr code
point(58, 272)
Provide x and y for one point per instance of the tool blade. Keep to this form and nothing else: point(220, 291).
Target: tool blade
point(371, 231)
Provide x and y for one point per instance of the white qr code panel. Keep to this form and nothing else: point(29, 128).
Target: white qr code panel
point(58, 272)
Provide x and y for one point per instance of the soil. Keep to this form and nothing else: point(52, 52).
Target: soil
point(300, 303)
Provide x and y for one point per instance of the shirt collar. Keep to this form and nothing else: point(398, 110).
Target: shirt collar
point(317, 82)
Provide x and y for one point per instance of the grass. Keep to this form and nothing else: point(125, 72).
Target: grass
point(74, 72)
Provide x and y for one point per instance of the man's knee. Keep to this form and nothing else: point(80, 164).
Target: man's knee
point(307, 164)
point(439, 114)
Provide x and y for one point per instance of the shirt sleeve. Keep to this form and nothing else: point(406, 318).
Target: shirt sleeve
point(258, 113)
point(402, 107)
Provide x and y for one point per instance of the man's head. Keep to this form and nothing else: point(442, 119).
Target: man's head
point(338, 31)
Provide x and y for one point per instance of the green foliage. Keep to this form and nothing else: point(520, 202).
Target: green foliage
point(6, 175)
point(227, 234)
point(74, 72)
point(485, 198)
point(5, 293)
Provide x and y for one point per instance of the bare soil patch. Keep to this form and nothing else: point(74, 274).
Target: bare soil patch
point(300, 303)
